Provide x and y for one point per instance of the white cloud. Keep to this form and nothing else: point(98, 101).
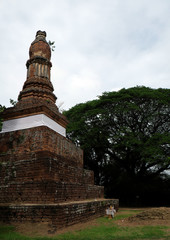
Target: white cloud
point(101, 45)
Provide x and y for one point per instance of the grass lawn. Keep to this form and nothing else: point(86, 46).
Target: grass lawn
point(105, 229)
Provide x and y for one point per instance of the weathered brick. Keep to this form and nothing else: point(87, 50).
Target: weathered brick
point(58, 215)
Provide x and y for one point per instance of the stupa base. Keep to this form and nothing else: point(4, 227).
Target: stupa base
point(59, 215)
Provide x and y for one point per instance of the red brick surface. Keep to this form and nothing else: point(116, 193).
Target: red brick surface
point(47, 192)
point(35, 141)
point(40, 166)
point(60, 215)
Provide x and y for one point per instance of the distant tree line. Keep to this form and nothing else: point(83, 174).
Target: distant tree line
point(125, 136)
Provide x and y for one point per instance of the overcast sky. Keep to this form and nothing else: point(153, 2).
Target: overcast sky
point(101, 45)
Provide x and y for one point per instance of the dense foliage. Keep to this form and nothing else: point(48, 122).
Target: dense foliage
point(1, 110)
point(126, 141)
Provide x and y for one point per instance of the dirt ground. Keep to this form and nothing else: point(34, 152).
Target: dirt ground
point(149, 216)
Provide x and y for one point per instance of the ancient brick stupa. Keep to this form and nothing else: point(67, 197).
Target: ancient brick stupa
point(41, 171)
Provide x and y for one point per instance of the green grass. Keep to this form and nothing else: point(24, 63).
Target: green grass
point(106, 229)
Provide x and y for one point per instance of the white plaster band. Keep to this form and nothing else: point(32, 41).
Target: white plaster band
point(32, 121)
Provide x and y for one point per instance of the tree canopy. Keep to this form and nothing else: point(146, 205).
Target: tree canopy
point(126, 140)
point(1, 110)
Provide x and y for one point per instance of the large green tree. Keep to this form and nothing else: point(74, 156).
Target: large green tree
point(126, 140)
point(1, 110)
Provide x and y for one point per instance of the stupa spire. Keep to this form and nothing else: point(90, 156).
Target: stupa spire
point(38, 86)
point(36, 102)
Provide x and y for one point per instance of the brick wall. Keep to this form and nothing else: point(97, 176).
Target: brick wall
point(42, 172)
point(40, 166)
point(48, 192)
point(44, 168)
point(60, 215)
point(15, 145)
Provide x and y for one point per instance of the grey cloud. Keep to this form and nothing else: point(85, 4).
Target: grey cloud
point(101, 45)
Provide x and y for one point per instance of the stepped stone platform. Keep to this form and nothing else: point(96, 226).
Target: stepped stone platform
point(42, 178)
point(37, 185)
point(59, 215)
